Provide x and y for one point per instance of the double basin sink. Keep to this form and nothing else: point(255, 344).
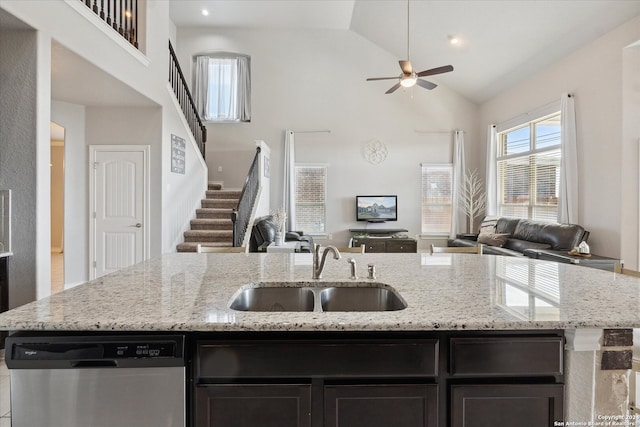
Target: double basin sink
point(336, 296)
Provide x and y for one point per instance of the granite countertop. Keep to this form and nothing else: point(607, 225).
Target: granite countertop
point(5, 254)
point(192, 292)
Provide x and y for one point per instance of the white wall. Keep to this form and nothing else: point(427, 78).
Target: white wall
point(313, 80)
point(18, 155)
point(135, 126)
point(629, 187)
point(76, 191)
point(181, 193)
point(594, 76)
point(147, 72)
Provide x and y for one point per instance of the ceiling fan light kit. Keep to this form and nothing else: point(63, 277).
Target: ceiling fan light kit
point(409, 78)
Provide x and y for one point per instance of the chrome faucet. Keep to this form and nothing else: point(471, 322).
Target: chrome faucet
point(318, 265)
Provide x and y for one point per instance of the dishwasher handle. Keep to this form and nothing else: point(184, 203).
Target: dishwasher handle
point(103, 363)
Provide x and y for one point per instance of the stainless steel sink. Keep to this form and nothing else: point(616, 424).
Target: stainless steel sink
point(330, 296)
point(360, 299)
point(274, 299)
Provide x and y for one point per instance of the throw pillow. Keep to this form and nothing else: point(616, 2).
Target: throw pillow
point(493, 239)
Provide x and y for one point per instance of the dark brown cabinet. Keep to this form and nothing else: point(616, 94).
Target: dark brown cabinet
point(430, 379)
point(411, 405)
point(386, 244)
point(522, 405)
point(238, 405)
point(317, 382)
point(533, 394)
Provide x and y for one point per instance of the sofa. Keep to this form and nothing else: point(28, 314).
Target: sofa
point(263, 233)
point(523, 237)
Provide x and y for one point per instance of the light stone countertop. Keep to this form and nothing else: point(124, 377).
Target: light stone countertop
point(5, 254)
point(192, 292)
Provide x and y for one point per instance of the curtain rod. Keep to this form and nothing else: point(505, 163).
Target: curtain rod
point(438, 131)
point(311, 131)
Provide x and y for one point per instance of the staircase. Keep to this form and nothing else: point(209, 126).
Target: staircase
point(212, 225)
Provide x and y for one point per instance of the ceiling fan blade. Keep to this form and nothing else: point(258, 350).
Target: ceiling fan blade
point(393, 88)
point(381, 78)
point(406, 67)
point(439, 70)
point(426, 84)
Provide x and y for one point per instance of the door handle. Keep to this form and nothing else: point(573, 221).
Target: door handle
point(138, 225)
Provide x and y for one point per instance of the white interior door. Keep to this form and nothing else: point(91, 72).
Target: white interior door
point(119, 207)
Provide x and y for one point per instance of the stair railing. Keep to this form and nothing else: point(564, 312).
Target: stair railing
point(121, 15)
point(242, 213)
point(181, 90)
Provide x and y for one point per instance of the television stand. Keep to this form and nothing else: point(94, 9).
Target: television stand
point(387, 231)
point(383, 240)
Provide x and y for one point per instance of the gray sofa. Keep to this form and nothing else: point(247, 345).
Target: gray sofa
point(263, 233)
point(524, 237)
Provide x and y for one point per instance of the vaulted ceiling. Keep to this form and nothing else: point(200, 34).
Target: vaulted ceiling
point(501, 42)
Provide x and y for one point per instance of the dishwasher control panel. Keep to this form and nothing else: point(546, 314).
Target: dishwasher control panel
point(91, 351)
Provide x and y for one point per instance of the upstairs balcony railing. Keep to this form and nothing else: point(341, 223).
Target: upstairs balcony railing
point(181, 90)
point(121, 15)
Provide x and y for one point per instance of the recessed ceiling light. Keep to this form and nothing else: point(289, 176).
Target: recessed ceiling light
point(205, 12)
point(455, 41)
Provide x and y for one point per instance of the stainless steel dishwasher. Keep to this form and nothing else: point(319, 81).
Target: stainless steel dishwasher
point(97, 381)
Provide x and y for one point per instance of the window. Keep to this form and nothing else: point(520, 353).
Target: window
point(311, 196)
point(437, 183)
point(528, 165)
point(222, 87)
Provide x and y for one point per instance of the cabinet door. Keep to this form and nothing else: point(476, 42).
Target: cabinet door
point(237, 405)
point(528, 405)
point(413, 405)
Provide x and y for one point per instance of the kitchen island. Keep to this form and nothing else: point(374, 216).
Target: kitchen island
point(459, 308)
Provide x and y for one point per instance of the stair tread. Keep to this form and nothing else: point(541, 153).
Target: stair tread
point(211, 221)
point(191, 246)
point(207, 232)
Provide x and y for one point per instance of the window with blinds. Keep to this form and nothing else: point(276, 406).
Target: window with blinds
point(437, 183)
point(311, 196)
point(528, 165)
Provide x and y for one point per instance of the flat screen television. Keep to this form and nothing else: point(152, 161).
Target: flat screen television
point(377, 208)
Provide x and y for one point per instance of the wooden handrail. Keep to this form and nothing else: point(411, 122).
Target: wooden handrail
point(242, 213)
point(181, 90)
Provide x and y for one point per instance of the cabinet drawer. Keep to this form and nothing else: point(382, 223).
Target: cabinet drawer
point(401, 246)
point(506, 356)
point(374, 246)
point(309, 358)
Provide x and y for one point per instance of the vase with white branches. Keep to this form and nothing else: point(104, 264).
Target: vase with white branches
point(472, 197)
point(279, 218)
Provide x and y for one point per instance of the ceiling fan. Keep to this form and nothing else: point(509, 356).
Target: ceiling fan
point(409, 78)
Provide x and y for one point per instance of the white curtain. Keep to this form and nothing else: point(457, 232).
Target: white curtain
point(492, 172)
point(201, 84)
point(244, 89)
point(289, 187)
point(568, 198)
point(222, 87)
point(458, 215)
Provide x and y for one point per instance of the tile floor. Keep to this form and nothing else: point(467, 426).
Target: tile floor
point(57, 273)
point(5, 394)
